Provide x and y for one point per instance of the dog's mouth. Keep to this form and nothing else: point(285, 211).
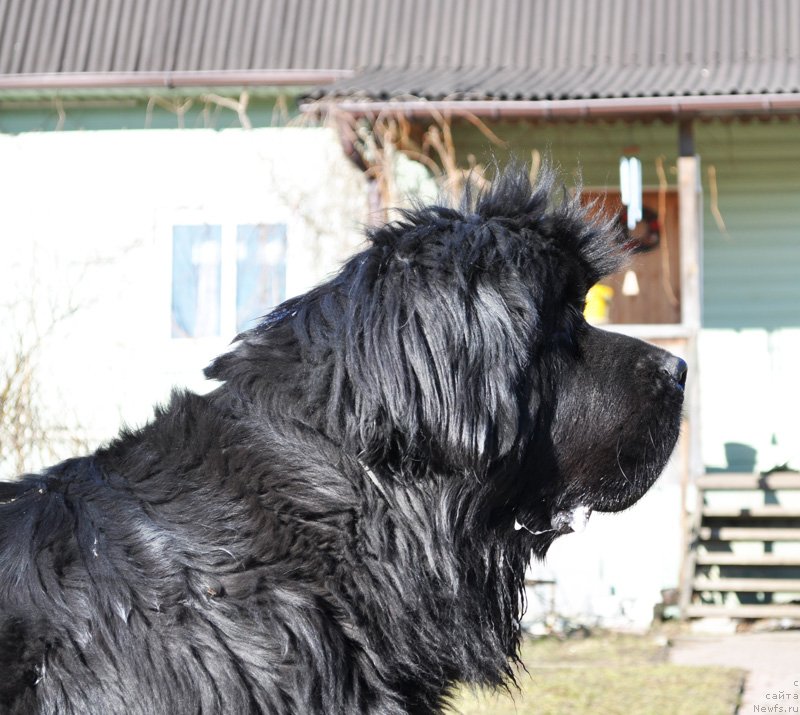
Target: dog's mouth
point(573, 520)
point(564, 521)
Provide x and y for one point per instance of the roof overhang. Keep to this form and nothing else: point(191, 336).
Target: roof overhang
point(690, 105)
point(170, 80)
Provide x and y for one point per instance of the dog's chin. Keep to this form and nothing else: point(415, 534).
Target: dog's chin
point(628, 480)
point(623, 495)
point(575, 519)
point(571, 514)
point(616, 504)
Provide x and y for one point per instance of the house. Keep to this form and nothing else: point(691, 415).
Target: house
point(156, 198)
point(143, 142)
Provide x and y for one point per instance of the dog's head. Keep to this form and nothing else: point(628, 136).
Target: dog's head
point(486, 364)
point(456, 344)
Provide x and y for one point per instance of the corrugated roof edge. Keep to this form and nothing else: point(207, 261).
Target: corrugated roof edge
point(571, 108)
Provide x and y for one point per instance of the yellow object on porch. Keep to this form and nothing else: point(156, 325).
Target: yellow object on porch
point(598, 304)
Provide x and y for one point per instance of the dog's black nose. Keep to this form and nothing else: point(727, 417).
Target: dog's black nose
point(676, 369)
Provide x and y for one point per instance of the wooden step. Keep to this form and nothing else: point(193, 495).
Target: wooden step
point(724, 480)
point(768, 610)
point(736, 533)
point(720, 558)
point(768, 511)
point(754, 585)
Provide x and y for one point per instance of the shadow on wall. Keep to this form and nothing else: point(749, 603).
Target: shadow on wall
point(742, 459)
point(738, 458)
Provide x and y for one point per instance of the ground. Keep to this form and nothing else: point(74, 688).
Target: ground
point(609, 674)
point(772, 662)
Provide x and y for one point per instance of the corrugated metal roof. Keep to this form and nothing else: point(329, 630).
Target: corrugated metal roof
point(97, 36)
point(602, 81)
point(476, 49)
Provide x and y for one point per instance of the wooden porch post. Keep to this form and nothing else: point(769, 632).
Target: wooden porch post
point(691, 243)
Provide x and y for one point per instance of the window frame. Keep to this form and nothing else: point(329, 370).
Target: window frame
point(228, 220)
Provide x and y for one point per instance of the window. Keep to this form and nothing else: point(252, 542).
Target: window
point(224, 278)
point(260, 271)
point(196, 278)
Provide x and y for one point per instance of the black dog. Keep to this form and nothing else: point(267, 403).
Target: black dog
point(343, 526)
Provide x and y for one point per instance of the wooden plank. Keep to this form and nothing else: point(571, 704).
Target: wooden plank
point(719, 558)
point(735, 533)
point(691, 523)
point(758, 512)
point(755, 585)
point(776, 480)
point(691, 237)
point(690, 227)
point(768, 610)
point(690, 234)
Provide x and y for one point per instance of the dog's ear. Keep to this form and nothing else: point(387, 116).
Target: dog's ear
point(438, 348)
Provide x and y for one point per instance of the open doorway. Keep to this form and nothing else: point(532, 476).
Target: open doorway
point(648, 290)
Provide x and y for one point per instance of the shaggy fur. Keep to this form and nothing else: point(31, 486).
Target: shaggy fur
point(332, 530)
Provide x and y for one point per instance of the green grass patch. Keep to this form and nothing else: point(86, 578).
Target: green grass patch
point(607, 674)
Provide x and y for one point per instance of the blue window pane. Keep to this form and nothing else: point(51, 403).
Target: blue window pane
point(260, 271)
point(196, 276)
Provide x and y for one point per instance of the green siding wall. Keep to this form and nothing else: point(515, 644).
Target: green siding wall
point(20, 114)
point(752, 271)
point(592, 150)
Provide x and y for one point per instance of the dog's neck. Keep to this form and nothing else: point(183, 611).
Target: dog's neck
point(447, 589)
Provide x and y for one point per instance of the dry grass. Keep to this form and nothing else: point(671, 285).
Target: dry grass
point(609, 674)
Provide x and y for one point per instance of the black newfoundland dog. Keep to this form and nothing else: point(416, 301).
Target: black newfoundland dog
point(343, 525)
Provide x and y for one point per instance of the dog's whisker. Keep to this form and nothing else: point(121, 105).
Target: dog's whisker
point(619, 464)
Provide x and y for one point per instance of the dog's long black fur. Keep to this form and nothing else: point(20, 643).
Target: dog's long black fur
point(331, 530)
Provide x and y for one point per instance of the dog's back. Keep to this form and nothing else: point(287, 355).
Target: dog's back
point(159, 576)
